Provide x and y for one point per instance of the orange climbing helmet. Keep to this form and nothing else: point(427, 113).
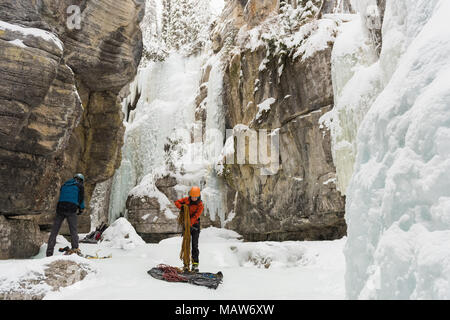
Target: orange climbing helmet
point(195, 192)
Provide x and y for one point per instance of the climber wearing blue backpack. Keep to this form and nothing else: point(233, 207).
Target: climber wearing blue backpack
point(70, 204)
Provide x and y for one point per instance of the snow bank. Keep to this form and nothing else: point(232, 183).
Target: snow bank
point(121, 235)
point(271, 254)
point(398, 202)
point(212, 234)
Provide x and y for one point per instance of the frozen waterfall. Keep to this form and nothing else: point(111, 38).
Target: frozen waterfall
point(160, 130)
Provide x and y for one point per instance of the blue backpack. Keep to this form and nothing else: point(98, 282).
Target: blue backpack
point(72, 191)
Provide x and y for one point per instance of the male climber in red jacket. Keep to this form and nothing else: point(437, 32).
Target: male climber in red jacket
point(195, 204)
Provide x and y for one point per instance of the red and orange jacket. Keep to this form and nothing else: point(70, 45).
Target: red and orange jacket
point(195, 210)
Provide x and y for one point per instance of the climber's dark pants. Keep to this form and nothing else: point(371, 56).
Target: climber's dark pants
point(195, 233)
point(63, 212)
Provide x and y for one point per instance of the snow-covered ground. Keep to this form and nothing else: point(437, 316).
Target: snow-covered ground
point(252, 270)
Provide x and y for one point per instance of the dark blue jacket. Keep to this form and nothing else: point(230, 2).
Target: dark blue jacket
point(73, 192)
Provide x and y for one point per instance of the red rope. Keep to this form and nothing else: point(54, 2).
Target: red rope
point(171, 273)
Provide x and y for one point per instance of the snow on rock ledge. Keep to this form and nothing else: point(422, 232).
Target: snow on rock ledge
point(33, 37)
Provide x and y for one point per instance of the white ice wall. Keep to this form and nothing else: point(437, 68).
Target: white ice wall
point(398, 198)
point(356, 83)
point(214, 194)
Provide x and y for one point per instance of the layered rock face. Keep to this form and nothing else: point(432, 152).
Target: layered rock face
point(283, 86)
point(62, 69)
point(18, 238)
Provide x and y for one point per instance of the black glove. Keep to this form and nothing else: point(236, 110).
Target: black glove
point(80, 211)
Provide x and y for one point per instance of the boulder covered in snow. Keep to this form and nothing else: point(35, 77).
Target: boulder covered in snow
point(121, 235)
point(33, 279)
point(154, 218)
